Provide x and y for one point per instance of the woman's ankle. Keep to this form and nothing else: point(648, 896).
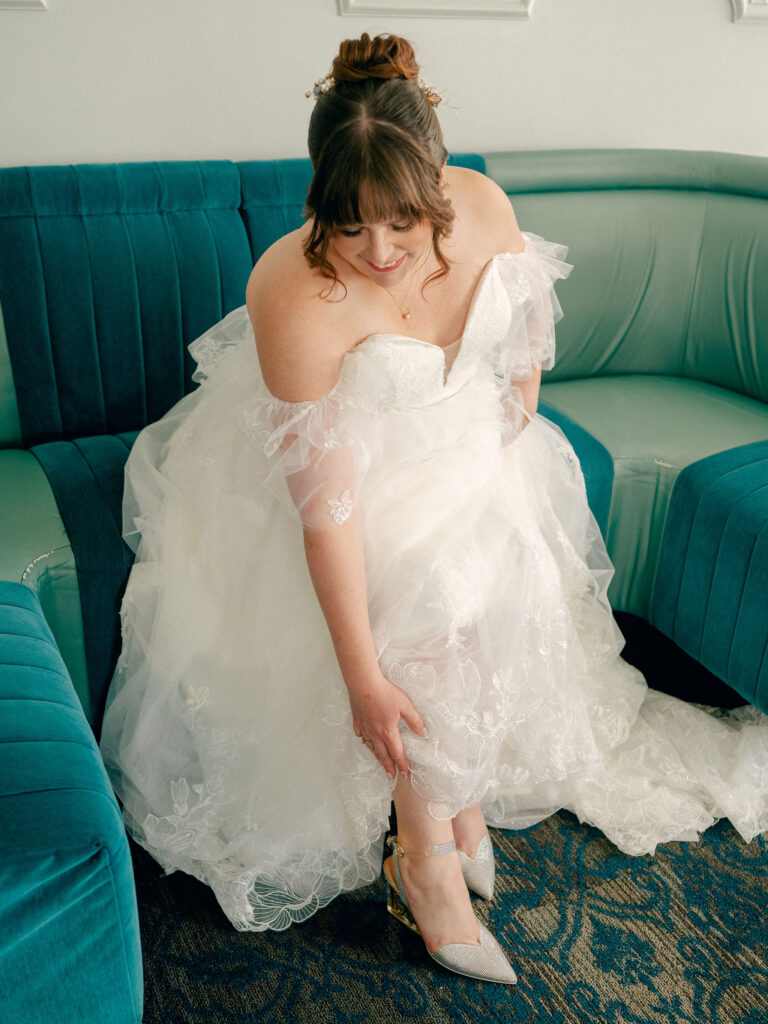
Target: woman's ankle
point(468, 829)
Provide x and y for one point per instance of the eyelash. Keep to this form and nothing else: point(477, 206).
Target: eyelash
point(353, 234)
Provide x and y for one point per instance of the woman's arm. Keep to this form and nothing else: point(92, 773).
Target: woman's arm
point(336, 565)
point(296, 355)
point(529, 390)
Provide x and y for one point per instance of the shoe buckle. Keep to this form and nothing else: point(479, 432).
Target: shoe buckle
point(396, 847)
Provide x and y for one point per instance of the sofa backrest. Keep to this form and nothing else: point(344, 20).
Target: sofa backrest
point(670, 254)
point(106, 273)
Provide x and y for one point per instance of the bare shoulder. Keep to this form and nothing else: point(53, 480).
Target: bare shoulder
point(292, 325)
point(484, 209)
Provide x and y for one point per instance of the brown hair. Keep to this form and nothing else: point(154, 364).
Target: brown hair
point(376, 149)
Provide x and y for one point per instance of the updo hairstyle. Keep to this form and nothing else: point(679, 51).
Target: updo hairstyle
point(376, 148)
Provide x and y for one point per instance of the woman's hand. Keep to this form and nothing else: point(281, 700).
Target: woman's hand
point(377, 707)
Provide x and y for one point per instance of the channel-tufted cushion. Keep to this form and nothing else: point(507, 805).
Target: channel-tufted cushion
point(69, 931)
point(107, 272)
point(711, 593)
point(86, 477)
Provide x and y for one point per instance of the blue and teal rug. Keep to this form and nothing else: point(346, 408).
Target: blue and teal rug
point(595, 936)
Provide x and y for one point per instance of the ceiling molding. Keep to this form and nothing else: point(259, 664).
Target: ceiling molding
point(438, 8)
point(753, 12)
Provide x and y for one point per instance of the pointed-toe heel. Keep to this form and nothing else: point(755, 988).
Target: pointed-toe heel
point(479, 871)
point(485, 961)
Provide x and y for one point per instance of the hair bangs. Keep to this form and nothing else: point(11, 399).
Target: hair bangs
point(375, 185)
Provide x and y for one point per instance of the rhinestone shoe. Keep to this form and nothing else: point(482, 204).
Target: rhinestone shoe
point(485, 961)
point(479, 871)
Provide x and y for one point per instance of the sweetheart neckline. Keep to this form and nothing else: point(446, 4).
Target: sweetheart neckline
point(407, 337)
point(432, 344)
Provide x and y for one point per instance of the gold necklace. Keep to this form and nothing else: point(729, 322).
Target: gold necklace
point(406, 313)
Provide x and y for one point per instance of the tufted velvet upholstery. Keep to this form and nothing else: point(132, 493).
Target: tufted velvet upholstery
point(711, 595)
point(87, 479)
point(106, 273)
point(69, 942)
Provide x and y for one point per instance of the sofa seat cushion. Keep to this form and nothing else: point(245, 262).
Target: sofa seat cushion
point(654, 427)
point(595, 459)
point(70, 947)
point(711, 594)
point(86, 477)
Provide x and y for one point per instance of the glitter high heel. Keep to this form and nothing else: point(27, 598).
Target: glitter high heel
point(479, 871)
point(485, 961)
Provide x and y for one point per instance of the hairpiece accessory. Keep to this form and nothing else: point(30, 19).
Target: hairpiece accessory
point(433, 96)
point(327, 82)
point(321, 85)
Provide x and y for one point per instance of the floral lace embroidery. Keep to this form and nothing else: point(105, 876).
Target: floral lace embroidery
point(342, 509)
point(331, 438)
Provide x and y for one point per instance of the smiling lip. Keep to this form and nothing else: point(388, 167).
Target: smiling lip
point(387, 270)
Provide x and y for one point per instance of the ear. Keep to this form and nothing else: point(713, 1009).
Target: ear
point(441, 179)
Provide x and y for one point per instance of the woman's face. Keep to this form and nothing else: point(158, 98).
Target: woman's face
point(385, 252)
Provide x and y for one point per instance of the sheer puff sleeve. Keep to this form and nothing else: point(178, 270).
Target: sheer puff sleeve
point(525, 311)
point(311, 456)
point(316, 456)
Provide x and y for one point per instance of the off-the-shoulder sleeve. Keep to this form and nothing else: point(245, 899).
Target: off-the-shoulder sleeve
point(315, 453)
point(527, 308)
point(524, 310)
point(312, 456)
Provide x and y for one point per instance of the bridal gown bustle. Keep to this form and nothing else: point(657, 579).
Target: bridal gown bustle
point(228, 734)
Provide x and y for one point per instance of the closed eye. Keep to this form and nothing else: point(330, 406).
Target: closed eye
point(354, 232)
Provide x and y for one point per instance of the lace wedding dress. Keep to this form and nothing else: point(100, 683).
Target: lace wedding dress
point(228, 734)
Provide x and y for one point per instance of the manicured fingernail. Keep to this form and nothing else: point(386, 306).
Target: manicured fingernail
point(425, 733)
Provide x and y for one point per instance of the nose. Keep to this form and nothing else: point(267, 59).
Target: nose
point(379, 246)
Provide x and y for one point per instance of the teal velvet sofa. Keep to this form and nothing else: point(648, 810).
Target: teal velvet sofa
point(108, 272)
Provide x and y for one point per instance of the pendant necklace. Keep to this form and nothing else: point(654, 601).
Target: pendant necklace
point(405, 313)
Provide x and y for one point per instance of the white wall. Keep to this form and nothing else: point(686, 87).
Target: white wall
point(103, 80)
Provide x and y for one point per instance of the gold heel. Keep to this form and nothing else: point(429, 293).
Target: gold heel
point(485, 961)
point(398, 909)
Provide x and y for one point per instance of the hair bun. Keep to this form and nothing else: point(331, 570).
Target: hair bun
point(381, 57)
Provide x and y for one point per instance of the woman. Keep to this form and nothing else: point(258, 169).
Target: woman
point(357, 529)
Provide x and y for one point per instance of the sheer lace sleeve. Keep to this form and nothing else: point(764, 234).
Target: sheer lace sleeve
point(316, 454)
point(312, 455)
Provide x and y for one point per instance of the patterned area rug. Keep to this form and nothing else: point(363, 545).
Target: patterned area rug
point(595, 936)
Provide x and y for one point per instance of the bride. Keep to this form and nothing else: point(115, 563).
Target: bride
point(366, 569)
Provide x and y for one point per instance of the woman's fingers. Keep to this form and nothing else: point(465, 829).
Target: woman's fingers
point(397, 753)
point(380, 750)
point(414, 720)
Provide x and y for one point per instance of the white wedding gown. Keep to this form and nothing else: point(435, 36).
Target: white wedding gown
point(228, 734)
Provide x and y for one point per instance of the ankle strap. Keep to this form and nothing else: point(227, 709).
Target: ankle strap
point(423, 851)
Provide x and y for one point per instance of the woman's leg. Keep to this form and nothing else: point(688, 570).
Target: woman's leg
point(468, 829)
point(436, 891)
